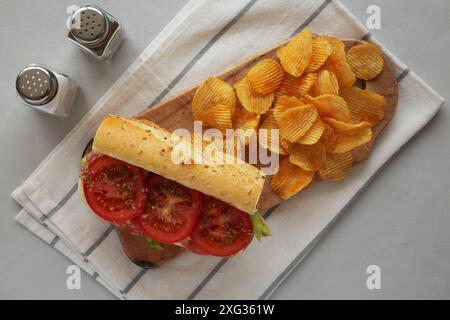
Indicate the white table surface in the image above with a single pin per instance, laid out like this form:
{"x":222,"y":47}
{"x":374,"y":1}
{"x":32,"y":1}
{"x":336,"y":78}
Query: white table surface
{"x":401,"y":222}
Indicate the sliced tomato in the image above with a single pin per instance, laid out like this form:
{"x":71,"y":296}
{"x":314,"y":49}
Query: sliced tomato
{"x":114,"y":190}
{"x":189,"y":245}
{"x":131,"y":226}
{"x":171,"y":212}
{"x":222,"y":230}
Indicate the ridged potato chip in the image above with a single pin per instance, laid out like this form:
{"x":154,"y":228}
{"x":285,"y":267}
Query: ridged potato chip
{"x":327,"y":83}
{"x":290,"y":179}
{"x":321,"y":50}
{"x":266,"y":76}
{"x":295,"y":122}
{"x":349,"y":135}
{"x":365,"y":105}
{"x":307,"y":81}
{"x":328,"y":137}
{"x":309,"y":158}
{"x":329,"y":105}
{"x":244,"y":120}
{"x":296,"y":55}
{"x":218,"y":116}
{"x":285,"y":103}
{"x":251,"y":100}
{"x":265,"y":137}
{"x":287,"y":145}
{"x":269,"y":120}
{"x":345,"y":143}
{"x":314,"y":133}
{"x":337,"y":166}
{"x":289,"y":87}
{"x":335,"y":42}
{"x":366,"y":61}
{"x":296,"y":87}
{"x":212,"y":92}
{"x":337,"y":63}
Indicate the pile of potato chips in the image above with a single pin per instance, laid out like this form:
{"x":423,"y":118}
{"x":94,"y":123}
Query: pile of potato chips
{"x":308,"y":93}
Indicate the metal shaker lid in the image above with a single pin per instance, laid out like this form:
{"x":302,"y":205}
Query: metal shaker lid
{"x":89,"y":25}
{"x":36,"y":85}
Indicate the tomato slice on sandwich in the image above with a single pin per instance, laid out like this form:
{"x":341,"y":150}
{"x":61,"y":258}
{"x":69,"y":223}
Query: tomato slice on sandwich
{"x":222,"y":230}
{"x":171,"y":212}
{"x":114,"y":190}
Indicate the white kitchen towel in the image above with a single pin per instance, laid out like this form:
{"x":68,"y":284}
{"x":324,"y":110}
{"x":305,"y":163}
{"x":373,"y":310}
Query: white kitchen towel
{"x":204,"y":38}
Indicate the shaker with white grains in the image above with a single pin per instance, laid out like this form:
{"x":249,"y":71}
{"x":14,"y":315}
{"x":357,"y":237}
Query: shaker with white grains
{"x":96,"y":32}
{"x":45,"y":90}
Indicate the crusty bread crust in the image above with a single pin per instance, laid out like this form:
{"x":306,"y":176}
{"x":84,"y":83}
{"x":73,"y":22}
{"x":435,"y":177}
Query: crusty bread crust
{"x":150,"y":147}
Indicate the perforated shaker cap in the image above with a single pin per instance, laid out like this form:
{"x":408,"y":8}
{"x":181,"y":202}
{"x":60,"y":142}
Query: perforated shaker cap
{"x":89,"y":25}
{"x":36,"y":85}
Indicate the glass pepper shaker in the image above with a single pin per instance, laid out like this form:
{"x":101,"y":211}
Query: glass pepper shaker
{"x":45,"y":90}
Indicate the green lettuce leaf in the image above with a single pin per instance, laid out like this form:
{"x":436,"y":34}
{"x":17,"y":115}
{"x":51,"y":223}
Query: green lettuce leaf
{"x":154,"y":244}
{"x":83,"y":163}
{"x":260,"y":227}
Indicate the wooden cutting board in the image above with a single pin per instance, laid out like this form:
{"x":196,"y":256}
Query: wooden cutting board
{"x":176,"y":112}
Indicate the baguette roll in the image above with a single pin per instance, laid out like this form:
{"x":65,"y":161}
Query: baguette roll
{"x":146,"y":145}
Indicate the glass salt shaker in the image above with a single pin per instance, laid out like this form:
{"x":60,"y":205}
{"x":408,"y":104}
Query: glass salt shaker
{"x":96,"y":32}
{"x":45,"y":90}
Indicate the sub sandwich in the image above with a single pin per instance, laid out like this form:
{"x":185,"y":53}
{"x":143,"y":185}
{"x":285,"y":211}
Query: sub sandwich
{"x":130,"y":178}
